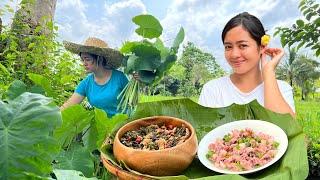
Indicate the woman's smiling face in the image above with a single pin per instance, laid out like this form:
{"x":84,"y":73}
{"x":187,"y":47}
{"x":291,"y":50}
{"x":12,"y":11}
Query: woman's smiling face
{"x":241,"y":50}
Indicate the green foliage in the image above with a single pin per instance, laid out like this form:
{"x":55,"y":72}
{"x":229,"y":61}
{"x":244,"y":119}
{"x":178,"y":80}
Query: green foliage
{"x":199,"y":67}
{"x":43,"y":82}
{"x":76,"y":157}
{"x":26,"y":50}
{"x":151,"y":60}
{"x":187,"y":77}
{"x":150,"y":27}
{"x":75,"y":120}
{"x":308,"y":115}
{"x":81,"y":134}
{"x":304,"y":33}
{"x":25,"y":141}
{"x":301,"y":71}
{"x":70,"y":174}
{"x":16,"y":88}
{"x":105,"y":125}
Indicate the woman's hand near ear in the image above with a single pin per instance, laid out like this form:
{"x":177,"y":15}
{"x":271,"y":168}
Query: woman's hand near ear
{"x":273,"y":99}
{"x":270,"y":66}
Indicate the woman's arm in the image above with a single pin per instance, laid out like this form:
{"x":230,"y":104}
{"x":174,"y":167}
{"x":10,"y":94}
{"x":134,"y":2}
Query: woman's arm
{"x":74,"y":99}
{"x":273,"y":99}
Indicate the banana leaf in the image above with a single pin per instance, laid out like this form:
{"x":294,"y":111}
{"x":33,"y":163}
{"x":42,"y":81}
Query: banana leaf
{"x":293,"y":165}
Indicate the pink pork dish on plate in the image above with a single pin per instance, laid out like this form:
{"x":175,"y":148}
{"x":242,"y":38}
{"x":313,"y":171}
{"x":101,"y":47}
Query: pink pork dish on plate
{"x":242,"y":150}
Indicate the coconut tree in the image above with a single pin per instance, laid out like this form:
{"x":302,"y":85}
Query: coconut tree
{"x":287,"y":70}
{"x":301,"y":71}
{"x":307,"y":72}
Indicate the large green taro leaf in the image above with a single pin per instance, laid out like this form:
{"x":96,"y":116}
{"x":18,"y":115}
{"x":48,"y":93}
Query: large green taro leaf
{"x":75,"y":119}
{"x":293,"y":165}
{"x":149,"y":26}
{"x":26,"y":144}
{"x":77,"y":158}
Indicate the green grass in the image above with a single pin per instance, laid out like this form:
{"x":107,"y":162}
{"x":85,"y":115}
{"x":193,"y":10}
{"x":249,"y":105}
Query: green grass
{"x":308,"y":113}
{"x":145,"y":98}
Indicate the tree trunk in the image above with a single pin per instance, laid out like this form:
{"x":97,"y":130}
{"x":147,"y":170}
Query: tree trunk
{"x":31,"y":15}
{"x":29,"y":23}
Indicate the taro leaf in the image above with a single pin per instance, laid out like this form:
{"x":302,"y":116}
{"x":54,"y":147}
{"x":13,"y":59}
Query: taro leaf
{"x":25,"y":142}
{"x":147,"y":77}
{"x":151,"y":64}
{"x":146,"y":51}
{"x":37,"y":89}
{"x":165,"y":67}
{"x":164,"y":52}
{"x":62,"y":174}
{"x":150,"y":27}
{"x":42,"y":82}
{"x":100,"y":128}
{"x":15,"y":89}
{"x":76,"y":157}
{"x":74,"y":121}
{"x":293,"y":165}
{"x":34,"y":176}
{"x":127,"y":47}
{"x":149,"y":57}
{"x":130,"y":64}
{"x":178,"y":40}
{"x":91,"y":136}
{"x":105,"y":125}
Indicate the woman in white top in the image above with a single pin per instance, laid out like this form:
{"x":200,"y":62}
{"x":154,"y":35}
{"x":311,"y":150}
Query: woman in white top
{"x":253,"y":76}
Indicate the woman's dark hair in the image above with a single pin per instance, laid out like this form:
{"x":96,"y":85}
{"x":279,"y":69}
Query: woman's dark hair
{"x":249,"y":22}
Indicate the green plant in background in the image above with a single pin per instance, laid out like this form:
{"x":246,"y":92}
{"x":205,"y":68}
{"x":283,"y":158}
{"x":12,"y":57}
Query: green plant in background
{"x":151,"y":60}
{"x":301,"y":71}
{"x":199,"y":68}
{"x":37,"y":59}
{"x":308,"y":115}
{"x":304,"y":32}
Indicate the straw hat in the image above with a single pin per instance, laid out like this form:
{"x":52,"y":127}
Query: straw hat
{"x":98,"y":47}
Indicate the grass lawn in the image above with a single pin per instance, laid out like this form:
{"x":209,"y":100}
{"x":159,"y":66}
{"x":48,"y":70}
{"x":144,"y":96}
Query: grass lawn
{"x":308,"y":115}
{"x":144,"y":98}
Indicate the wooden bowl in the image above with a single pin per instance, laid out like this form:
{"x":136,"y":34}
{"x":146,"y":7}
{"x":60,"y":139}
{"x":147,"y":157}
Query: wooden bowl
{"x":165,"y":162}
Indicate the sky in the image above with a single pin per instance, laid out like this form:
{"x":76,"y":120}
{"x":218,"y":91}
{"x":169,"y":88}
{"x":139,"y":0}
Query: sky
{"x":202,"y":20}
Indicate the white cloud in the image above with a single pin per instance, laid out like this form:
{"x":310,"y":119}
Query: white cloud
{"x":117,"y":20}
{"x":259,"y":7}
{"x":110,"y":22}
{"x":202,"y":21}
{"x":72,"y":21}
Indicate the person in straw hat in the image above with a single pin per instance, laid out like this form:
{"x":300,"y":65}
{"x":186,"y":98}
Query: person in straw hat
{"x":104,"y":83}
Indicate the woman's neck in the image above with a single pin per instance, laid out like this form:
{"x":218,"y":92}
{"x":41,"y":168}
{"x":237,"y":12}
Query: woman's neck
{"x":102,"y":76}
{"x":248,"y":81}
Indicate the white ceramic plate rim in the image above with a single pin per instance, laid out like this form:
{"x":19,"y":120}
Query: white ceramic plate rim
{"x":257,"y":126}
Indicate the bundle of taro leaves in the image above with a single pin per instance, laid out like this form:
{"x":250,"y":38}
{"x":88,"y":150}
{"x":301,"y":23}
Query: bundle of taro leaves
{"x":148,"y":57}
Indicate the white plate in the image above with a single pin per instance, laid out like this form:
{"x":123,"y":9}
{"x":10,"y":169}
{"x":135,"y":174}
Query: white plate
{"x":257,"y":126}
